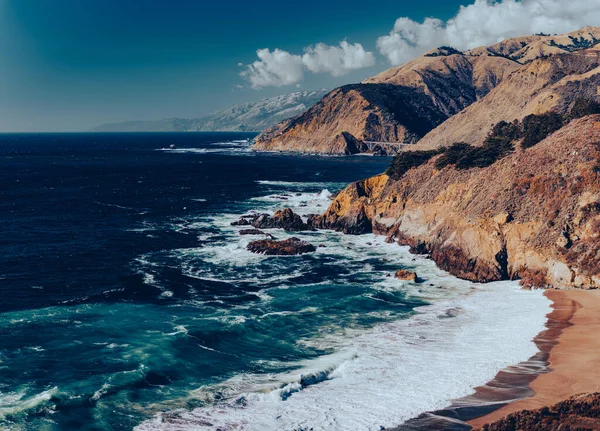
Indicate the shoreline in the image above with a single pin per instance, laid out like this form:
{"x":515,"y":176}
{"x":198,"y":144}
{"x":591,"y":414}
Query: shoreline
{"x":572,"y":349}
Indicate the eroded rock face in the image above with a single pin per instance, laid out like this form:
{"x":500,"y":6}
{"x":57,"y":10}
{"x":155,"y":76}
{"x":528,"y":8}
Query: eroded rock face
{"x":509,"y":220}
{"x":581,"y":412}
{"x":288,"y":247}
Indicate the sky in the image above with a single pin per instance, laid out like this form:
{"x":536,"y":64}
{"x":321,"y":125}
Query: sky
{"x":70,"y":65}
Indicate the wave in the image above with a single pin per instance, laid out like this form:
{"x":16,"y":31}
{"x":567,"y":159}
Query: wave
{"x":384,"y":376}
{"x":223,"y":150}
{"x":13,"y":404}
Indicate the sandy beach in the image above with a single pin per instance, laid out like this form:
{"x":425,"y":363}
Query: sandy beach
{"x":573,"y":358}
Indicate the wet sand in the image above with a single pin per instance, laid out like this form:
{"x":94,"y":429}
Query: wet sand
{"x":572,"y":347}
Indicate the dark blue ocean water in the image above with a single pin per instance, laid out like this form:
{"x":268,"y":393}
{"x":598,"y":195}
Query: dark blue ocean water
{"x":122,"y":289}
{"x":127,"y":299}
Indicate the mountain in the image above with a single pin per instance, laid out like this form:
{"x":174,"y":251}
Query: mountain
{"x":444,"y":90}
{"x":254,"y":116}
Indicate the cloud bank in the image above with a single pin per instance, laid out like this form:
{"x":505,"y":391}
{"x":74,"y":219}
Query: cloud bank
{"x":484,"y":22}
{"x":487,"y":22}
{"x":279,"y":68}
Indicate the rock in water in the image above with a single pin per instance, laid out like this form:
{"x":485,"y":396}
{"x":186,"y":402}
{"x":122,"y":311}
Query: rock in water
{"x":254,"y":232}
{"x":284,"y":219}
{"x":288,"y":247}
{"x":403,"y":274}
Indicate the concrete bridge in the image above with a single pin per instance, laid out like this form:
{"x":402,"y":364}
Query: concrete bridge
{"x":395,"y":147}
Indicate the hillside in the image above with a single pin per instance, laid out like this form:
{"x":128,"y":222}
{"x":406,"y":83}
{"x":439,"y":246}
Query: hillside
{"x":255,"y":116}
{"x":453,"y":96}
{"x":533,"y":214}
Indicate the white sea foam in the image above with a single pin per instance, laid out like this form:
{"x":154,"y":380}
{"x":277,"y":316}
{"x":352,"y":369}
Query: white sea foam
{"x":230,"y":149}
{"x":376,"y":377}
{"x":383,"y":376}
{"x":15,"y":403}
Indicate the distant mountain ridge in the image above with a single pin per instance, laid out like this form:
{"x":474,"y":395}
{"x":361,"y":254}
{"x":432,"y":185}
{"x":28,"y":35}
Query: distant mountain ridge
{"x":248,"y":117}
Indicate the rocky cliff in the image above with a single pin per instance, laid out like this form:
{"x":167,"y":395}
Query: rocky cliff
{"x":447,"y":96}
{"x":349,"y":115}
{"x":533,"y":214}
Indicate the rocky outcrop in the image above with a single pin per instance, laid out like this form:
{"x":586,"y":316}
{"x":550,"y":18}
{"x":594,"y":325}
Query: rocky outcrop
{"x":473,"y":89}
{"x":254,"y":232}
{"x":284,"y":219}
{"x":403,"y":274}
{"x":534,"y":214}
{"x":288,"y":247}
{"x":580,"y":412}
{"x":353,"y":114}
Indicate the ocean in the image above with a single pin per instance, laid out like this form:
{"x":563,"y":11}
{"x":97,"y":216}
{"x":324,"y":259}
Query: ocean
{"x":128,"y":301}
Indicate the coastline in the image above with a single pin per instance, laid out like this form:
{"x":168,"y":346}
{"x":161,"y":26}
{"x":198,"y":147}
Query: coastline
{"x":573,"y":351}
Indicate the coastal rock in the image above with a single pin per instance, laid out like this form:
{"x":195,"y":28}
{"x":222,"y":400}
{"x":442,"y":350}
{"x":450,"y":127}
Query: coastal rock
{"x":255,"y":232}
{"x":284,"y":219}
{"x":495,"y":223}
{"x":580,"y":412}
{"x":403,"y":274}
{"x":288,"y":247}
{"x":241,"y":222}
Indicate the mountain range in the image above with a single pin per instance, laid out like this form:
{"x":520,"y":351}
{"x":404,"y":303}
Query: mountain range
{"x":446,"y":96}
{"x":248,"y":117}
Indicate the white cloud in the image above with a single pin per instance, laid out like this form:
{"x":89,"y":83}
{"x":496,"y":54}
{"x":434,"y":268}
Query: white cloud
{"x":337,"y":61}
{"x":487,"y":22}
{"x":274,"y":69}
{"x":279,"y":68}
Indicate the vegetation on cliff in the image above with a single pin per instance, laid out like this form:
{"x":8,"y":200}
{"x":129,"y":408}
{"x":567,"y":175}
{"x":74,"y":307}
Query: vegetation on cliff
{"x":498,"y":144}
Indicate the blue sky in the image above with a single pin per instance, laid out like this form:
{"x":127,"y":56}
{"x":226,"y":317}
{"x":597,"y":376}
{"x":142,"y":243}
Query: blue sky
{"x":73,"y":64}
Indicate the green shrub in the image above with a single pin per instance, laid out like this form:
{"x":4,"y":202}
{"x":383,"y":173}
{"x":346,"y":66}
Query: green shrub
{"x":406,"y":160}
{"x":504,"y":129}
{"x":538,"y":127}
{"x":584,"y":107}
{"x":496,"y":146}
{"x":452,"y":155}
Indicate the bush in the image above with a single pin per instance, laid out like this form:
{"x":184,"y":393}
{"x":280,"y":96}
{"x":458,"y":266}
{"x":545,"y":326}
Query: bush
{"x":495,"y":147}
{"x":482,"y":157}
{"x":584,"y":107}
{"x":538,"y":127}
{"x":452,"y":155}
{"x":504,"y":129}
{"x":406,"y":160}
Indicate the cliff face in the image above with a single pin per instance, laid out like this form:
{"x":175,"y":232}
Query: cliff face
{"x":534,"y":214}
{"x":447,"y":95}
{"x":354,"y":113}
